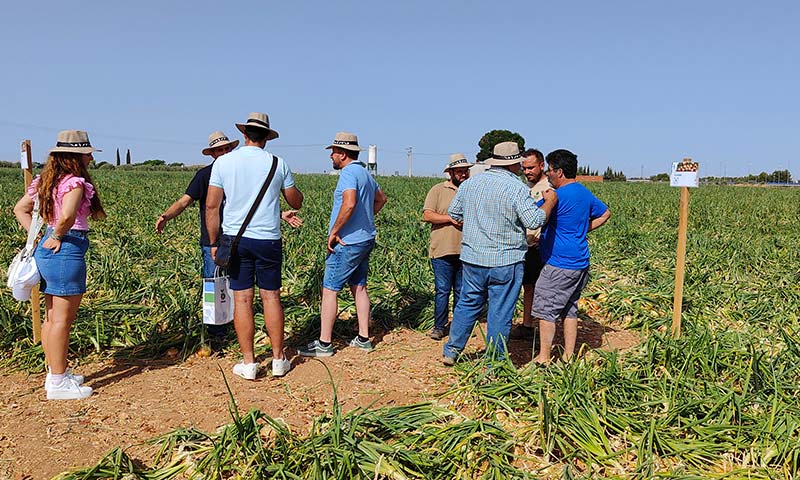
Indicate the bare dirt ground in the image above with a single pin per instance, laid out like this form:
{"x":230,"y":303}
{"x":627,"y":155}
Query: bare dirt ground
{"x":136,"y":401}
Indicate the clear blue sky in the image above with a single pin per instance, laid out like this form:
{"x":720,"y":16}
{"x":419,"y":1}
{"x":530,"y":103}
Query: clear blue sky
{"x":633,"y":85}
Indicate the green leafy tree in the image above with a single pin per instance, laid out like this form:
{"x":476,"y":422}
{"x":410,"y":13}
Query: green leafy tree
{"x":492,"y":138}
{"x":153,"y":163}
{"x":585,"y":170}
{"x":118,"y":157}
{"x":128,"y":157}
{"x":613,"y":176}
{"x":661,"y":177}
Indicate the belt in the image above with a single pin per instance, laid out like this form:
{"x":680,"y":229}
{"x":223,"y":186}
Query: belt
{"x":73,"y":232}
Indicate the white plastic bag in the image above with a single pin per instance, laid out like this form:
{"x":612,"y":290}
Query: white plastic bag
{"x":23,"y":274}
{"x":217,"y":300}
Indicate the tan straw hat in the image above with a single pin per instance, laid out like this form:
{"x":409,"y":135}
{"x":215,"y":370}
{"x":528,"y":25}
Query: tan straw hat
{"x":347,"y":141}
{"x":73,"y":141}
{"x":458,"y":160}
{"x":218,"y":139}
{"x":504,"y":153}
{"x":258,"y":120}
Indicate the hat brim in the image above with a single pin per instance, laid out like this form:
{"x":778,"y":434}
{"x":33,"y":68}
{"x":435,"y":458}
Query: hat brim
{"x":352,"y":148}
{"x":460,"y":165}
{"x":207,"y":150}
{"x":496,"y":162}
{"x":83,"y":150}
{"x":271,"y":134}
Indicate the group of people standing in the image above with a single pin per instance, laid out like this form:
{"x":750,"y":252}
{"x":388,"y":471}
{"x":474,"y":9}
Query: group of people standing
{"x":492,"y":235}
{"x":486,"y":243}
{"x":234,"y":180}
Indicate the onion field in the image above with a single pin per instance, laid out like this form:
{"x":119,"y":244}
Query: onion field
{"x":722,"y":401}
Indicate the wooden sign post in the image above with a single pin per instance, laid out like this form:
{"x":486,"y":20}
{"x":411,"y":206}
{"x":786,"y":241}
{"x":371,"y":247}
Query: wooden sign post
{"x":684,"y":175}
{"x":27,"y":174}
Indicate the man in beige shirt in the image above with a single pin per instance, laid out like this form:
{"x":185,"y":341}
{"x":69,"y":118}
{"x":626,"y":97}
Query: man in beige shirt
{"x":533,"y":169}
{"x":445,"y":246}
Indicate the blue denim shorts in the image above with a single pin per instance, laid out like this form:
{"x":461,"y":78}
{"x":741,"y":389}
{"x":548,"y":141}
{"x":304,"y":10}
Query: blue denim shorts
{"x":347,"y":264}
{"x":257,"y":262}
{"x":63,"y":273}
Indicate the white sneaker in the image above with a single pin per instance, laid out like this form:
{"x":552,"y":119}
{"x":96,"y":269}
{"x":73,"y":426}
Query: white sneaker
{"x":248,"y":371}
{"x":281,"y":367}
{"x":48,"y":378}
{"x":69,"y":389}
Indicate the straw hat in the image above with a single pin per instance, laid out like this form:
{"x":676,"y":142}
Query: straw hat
{"x":458,"y":160}
{"x":504,"y":153}
{"x":258,"y":120}
{"x":73,"y":141}
{"x":218,"y":139}
{"x":347,"y":141}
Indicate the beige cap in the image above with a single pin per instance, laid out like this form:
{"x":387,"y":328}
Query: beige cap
{"x":258,"y":120}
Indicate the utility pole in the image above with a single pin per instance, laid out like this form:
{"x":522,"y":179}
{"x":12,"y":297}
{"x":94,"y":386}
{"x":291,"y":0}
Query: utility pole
{"x":641,"y":172}
{"x":410,"y":158}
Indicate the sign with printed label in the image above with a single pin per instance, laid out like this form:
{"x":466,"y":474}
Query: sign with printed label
{"x":684,"y":174}
{"x":23,"y":156}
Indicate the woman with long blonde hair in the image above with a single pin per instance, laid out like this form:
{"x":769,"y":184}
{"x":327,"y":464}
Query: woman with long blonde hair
{"x":67,"y":199}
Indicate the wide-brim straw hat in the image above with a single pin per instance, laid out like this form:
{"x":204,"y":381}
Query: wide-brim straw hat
{"x":258,"y":120}
{"x":347,"y":141}
{"x":73,"y":141}
{"x":504,"y":153}
{"x":218,"y":139}
{"x":457,"y":160}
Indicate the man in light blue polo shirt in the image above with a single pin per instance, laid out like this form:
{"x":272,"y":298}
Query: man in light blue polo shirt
{"x":239,"y":176}
{"x":495,"y":208}
{"x":351,"y":238}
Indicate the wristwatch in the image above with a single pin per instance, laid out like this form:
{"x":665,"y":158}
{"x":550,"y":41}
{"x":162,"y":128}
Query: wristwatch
{"x":55,"y":236}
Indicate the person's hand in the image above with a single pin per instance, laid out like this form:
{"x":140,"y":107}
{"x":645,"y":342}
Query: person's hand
{"x":333,"y":239}
{"x":214,"y":253}
{"x":52,"y":244}
{"x":290,"y":217}
{"x":160,"y":222}
{"x":550,"y":195}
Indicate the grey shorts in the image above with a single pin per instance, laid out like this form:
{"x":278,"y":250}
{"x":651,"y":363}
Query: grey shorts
{"x":557,"y":293}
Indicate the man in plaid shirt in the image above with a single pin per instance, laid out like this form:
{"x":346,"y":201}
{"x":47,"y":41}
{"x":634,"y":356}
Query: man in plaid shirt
{"x":495,"y":209}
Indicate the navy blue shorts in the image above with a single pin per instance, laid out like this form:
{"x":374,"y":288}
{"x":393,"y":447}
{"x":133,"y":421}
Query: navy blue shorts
{"x":63,"y":273}
{"x":258,"y":262}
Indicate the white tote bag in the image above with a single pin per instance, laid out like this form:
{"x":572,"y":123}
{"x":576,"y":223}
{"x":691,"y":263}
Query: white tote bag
{"x":23,"y":274}
{"x":217,"y":300}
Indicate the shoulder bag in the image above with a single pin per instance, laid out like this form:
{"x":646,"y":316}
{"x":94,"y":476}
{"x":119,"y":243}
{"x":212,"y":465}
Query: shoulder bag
{"x":23,"y":274}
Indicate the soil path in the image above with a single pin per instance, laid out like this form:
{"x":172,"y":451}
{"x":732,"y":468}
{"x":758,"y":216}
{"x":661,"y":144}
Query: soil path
{"x":136,"y":401}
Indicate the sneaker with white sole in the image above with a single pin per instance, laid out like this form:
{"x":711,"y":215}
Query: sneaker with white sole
{"x":69,"y":389}
{"x":281,"y":367}
{"x":48,"y":378}
{"x":248,"y":371}
{"x":316,"y":349}
{"x":356,"y":342}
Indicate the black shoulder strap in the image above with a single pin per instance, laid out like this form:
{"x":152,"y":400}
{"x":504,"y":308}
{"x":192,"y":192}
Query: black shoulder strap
{"x":258,"y":198}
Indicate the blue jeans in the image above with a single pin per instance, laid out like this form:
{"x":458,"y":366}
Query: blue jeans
{"x":501,"y":286}
{"x":208,"y":262}
{"x":446,"y":278}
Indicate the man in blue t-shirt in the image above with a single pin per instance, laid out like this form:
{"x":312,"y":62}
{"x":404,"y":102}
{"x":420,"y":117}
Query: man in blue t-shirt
{"x":351,"y":238}
{"x":564,"y":248}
